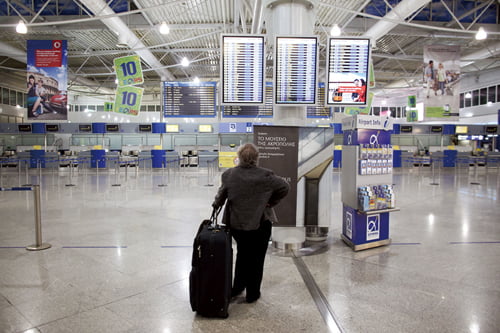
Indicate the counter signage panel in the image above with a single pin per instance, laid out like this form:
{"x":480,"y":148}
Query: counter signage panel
{"x":253,"y":111}
{"x":85,"y":128}
{"x":406,"y":129}
{"x":242,"y":69}
{"x":436,"y":129}
{"x":24,"y":128}
{"x":319,"y":111}
{"x":172,"y":128}
{"x":295,"y":70}
{"x":144,"y":128}
{"x":51,"y":127}
{"x":461,"y":129}
{"x":491,"y":129}
{"x":189,"y":99}
{"x":347,"y":71}
{"x":112,"y":128}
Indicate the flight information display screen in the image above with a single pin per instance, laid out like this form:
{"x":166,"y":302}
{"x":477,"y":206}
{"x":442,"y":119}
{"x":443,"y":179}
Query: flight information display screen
{"x":295,"y":70}
{"x":319,"y":111}
{"x":347,"y":71}
{"x":242,"y":69}
{"x":253,"y":111}
{"x":189,"y":99}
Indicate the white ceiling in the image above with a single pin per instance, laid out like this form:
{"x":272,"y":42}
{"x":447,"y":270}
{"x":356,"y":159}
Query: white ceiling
{"x":196,"y":25}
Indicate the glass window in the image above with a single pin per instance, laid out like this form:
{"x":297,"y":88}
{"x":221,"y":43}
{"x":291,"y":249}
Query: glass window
{"x":144,"y":108}
{"x":158,"y":107}
{"x":91,"y":108}
{"x":100,"y":108}
{"x":492,"y":94}
{"x":468,"y":101}
{"x":151,"y":108}
{"x":483,"y":96}
{"x":5,"y":96}
{"x":498,"y":93}
{"x":462,"y":102}
{"x":12,"y":99}
{"x":1,"y":99}
{"x":475,"y":98}
{"x":376,"y":110}
{"x":20,"y":101}
{"x":393,"y":111}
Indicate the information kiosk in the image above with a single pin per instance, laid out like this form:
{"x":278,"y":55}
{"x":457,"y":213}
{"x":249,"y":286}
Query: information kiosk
{"x":367,"y":193}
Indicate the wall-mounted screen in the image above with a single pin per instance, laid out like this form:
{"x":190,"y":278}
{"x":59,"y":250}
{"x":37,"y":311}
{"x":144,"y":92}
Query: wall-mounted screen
{"x":85,"y":128}
{"x":51,"y":127}
{"x":406,"y":129}
{"x":295,"y":68}
{"x":242,"y":69}
{"x":436,"y":129}
{"x":144,"y":128}
{"x":347,"y":71}
{"x":461,"y":129}
{"x":24,"y":128}
{"x":172,"y":128}
{"x":112,"y":128}
{"x":205,"y":128}
{"x":189,"y":99}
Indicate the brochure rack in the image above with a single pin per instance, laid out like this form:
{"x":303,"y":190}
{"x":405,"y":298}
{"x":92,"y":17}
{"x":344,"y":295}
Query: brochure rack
{"x":367,"y":193}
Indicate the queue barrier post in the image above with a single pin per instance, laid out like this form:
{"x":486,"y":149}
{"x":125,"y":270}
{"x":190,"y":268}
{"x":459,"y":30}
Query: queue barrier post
{"x":39,"y":245}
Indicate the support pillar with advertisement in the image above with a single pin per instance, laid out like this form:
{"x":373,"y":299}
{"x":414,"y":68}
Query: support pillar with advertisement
{"x":367,"y":193}
{"x":293,"y":235}
{"x":301,"y":155}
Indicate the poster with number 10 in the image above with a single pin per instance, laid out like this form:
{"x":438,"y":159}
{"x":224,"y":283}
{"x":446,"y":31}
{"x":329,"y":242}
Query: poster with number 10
{"x":128,"y":70}
{"x":128,"y":100}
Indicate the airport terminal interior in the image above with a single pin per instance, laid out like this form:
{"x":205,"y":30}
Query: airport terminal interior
{"x":118,"y":118}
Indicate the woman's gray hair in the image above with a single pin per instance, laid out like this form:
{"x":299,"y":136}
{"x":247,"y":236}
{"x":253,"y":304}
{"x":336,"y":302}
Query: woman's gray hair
{"x":248,"y":154}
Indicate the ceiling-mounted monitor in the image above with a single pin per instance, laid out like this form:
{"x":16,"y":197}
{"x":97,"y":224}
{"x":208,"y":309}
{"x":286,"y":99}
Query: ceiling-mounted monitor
{"x":24,"y":128}
{"x":347,"y":68}
{"x":205,"y":128}
{"x":461,"y":129}
{"x":85,"y":128}
{"x":112,"y":128}
{"x":295,"y":70}
{"x":242,"y":69}
{"x":51,"y":127}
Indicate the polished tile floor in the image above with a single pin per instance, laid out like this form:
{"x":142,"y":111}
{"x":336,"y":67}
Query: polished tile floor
{"x":120,"y":259}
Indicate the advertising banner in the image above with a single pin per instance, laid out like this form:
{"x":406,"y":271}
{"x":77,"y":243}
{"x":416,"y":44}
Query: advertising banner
{"x":47,"y":81}
{"x":128,"y":70}
{"x":278,"y":151}
{"x":128,"y":100}
{"x":108,"y":106}
{"x":441,"y":76}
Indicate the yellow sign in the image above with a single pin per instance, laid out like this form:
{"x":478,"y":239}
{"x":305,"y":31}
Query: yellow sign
{"x":228,"y":159}
{"x":338,"y":147}
{"x":37,"y":147}
{"x":450,"y":148}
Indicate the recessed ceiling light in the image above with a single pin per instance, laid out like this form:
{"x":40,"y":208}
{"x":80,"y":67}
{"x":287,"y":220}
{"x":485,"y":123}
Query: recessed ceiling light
{"x":481,"y":34}
{"x":21,"y":28}
{"x":164,"y":29}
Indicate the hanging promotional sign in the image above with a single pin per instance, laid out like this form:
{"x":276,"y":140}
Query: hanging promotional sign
{"x":128,"y":70}
{"x":108,"y":107}
{"x":128,"y":100}
{"x":441,"y":82}
{"x":47,"y":62}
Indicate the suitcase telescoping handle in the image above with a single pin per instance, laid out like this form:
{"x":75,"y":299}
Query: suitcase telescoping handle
{"x":215,"y":214}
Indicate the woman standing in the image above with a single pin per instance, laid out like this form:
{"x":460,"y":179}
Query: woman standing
{"x":251,"y":193}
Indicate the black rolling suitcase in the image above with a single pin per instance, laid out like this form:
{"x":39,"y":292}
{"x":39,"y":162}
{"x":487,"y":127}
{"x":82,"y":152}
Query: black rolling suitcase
{"x":211,"y":273}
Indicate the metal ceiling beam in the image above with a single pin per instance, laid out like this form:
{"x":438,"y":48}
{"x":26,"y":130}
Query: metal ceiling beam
{"x":404,"y":9}
{"x":116,"y":25}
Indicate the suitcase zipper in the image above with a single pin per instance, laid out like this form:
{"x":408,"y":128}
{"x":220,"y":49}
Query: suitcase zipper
{"x":199,"y":251}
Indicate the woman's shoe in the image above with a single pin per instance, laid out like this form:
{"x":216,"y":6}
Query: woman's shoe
{"x":252,"y":298}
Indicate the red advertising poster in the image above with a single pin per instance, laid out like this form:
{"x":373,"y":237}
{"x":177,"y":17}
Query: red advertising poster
{"x":46,"y":80}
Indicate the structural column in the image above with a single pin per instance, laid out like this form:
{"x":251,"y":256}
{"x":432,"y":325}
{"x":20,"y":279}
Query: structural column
{"x":290,"y":18}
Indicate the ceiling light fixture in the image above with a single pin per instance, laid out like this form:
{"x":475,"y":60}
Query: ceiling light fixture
{"x":196,"y":80}
{"x":164,"y":29}
{"x":185,"y":62}
{"x":21,"y":28}
{"x":122,"y":41}
{"x":481,"y":34}
{"x":336,"y":31}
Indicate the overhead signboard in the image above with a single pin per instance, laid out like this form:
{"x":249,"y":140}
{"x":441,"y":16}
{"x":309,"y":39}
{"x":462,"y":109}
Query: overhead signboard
{"x":144,"y":127}
{"x":52,"y":127}
{"x":295,"y":70}
{"x":347,"y":71}
{"x":242,"y":69}
{"x":85,"y":128}
{"x":128,"y":70}
{"x":189,"y":99}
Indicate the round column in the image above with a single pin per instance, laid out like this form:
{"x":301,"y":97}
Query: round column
{"x":290,"y":18}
